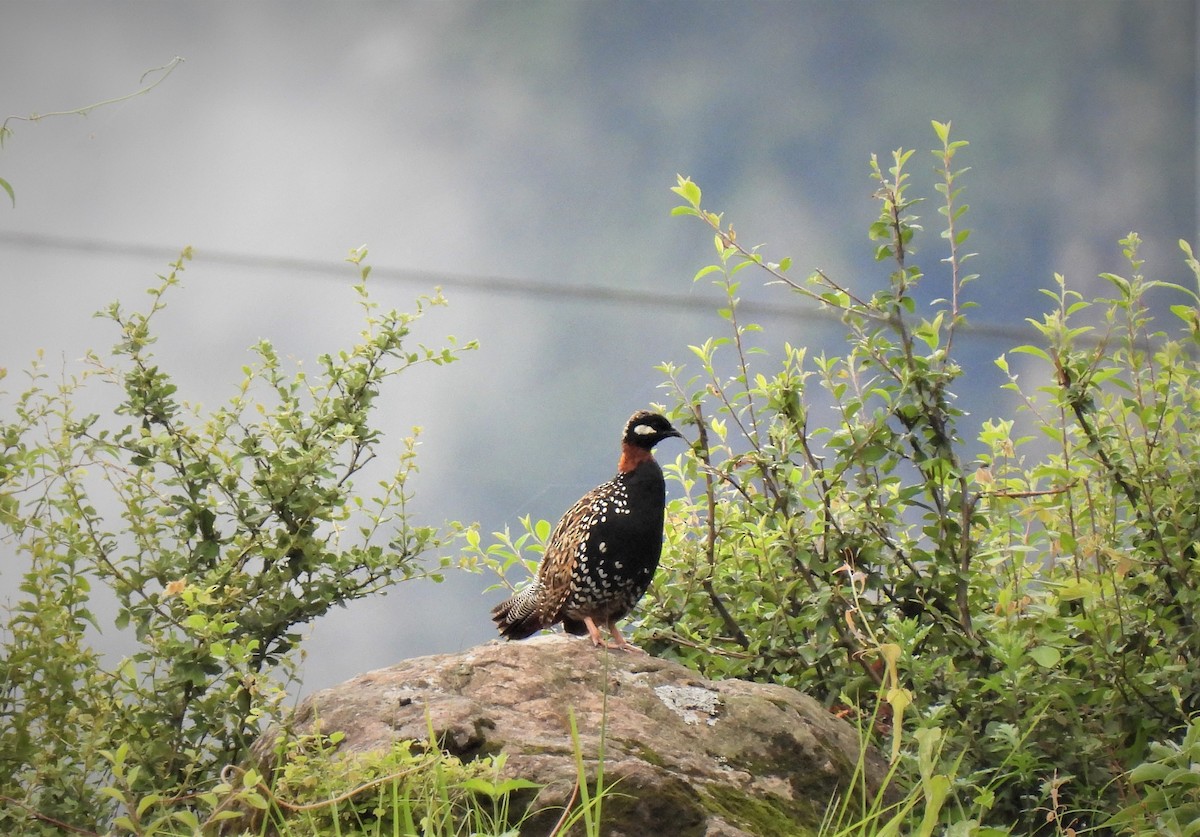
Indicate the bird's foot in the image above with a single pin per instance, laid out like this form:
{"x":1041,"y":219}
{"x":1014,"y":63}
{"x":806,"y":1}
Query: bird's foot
{"x":618,"y":643}
{"x":627,"y":647}
{"x":619,"y":646}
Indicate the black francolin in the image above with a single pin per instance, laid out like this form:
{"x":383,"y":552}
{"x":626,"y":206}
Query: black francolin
{"x":603,"y":553}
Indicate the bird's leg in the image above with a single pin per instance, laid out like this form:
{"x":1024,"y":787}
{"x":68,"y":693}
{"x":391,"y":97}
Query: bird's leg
{"x":621,"y":642}
{"x":594,"y":632}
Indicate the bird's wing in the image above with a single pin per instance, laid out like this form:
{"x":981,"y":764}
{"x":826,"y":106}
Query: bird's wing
{"x":563,"y":552}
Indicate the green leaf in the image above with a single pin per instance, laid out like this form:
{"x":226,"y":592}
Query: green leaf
{"x":254,"y":800}
{"x":1149,"y":772}
{"x":687,"y":190}
{"x":1188,"y":313}
{"x":1033,"y":350}
{"x":146,"y":802}
{"x":1045,"y":656}
{"x":1183,"y":776}
{"x":188,"y":819}
{"x":4,"y":184}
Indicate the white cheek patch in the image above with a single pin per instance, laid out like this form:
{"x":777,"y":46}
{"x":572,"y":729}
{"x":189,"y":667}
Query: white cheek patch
{"x":644,"y":430}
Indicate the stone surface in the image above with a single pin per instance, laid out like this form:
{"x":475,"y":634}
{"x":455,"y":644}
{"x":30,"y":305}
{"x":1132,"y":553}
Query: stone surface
{"x":694,"y":758}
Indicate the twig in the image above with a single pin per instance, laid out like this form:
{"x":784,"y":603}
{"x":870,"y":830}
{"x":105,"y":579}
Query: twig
{"x":708,"y":649}
{"x":166,"y":70}
{"x":1018,"y":495}
{"x":710,"y":544}
{"x":47,"y":819}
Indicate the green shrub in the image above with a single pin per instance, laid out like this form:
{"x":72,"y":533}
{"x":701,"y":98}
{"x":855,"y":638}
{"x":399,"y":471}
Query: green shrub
{"x":1041,"y":610}
{"x":220,"y":535}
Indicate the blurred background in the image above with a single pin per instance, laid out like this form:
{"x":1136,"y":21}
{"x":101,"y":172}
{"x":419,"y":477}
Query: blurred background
{"x":520,"y":156}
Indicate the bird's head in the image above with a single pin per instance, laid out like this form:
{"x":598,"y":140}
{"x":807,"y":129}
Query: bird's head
{"x":646,"y":429}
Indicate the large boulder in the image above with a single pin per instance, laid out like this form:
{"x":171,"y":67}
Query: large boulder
{"x":694,"y":757}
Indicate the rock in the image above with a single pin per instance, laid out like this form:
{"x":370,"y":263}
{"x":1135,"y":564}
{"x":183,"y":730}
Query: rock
{"x":694,"y":757}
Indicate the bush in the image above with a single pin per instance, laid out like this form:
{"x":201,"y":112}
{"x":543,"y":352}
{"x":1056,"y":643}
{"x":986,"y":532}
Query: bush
{"x":219,"y":535}
{"x":1040,"y":610}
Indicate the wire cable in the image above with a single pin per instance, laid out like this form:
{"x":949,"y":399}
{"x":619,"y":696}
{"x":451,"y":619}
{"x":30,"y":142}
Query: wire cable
{"x":495,"y":285}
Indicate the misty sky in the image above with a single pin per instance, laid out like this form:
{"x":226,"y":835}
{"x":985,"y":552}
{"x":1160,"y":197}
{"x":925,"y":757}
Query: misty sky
{"x":520,"y":154}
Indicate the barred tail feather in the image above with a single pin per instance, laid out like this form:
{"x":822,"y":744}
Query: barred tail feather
{"x":518,"y":616}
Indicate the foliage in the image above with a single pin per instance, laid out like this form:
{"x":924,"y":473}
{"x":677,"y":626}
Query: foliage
{"x":862,"y":810}
{"x":308,"y":785}
{"x":1039,"y":609}
{"x":316,"y":789}
{"x":219,"y":536}
{"x":1022,"y":593}
{"x":1169,"y":784}
{"x":413,"y":789}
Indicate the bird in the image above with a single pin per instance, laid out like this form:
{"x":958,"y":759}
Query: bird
{"x":604,"y":551}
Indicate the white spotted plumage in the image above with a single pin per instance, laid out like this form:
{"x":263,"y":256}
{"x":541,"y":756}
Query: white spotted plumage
{"x":603,"y":553}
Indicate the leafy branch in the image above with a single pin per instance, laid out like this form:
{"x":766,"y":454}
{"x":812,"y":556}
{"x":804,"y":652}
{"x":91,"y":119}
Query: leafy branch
{"x":218,"y":533}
